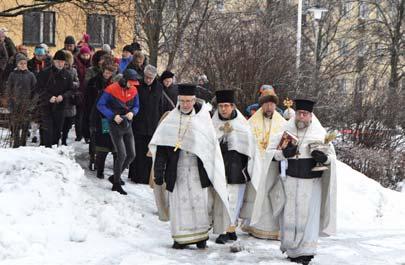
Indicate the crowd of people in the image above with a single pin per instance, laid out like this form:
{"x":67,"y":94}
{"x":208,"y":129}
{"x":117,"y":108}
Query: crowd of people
{"x":210,"y":166}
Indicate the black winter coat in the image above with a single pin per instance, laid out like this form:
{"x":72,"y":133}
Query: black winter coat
{"x":53,"y":82}
{"x":166,"y":168}
{"x":235,"y":162}
{"x":172,"y":92}
{"x":150,"y":109}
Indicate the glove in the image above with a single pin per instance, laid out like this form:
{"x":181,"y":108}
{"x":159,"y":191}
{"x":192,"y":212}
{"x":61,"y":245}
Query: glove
{"x":319,"y":156}
{"x":290,"y":150}
{"x":118,"y":119}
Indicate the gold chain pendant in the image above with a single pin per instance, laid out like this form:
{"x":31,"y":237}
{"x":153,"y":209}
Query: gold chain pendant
{"x":177,"y":146}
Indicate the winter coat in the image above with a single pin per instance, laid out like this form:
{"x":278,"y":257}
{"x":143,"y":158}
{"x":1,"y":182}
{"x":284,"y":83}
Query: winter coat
{"x":4,"y":56}
{"x":150,"y":108}
{"x":165,"y":166}
{"x":92,"y":72}
{"x":95,"y":89}
{"x":81,"y":67}
{"x":123,"y":64}
{"x":172,"y":92}
{"x":36,"y":66}
{"x":20,"y":88}
{"x":139,"y":70}
{"x":116,"y":100}
{"x":53,"y":82}
{"x":70,"y":107}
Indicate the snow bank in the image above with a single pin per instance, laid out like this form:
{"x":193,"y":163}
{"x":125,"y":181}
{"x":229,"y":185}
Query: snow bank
{"x":37,"y":191}
{"x":364,"y":204}
{"x":52,"y":213}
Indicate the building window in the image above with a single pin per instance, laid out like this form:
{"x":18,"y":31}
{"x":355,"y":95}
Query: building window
{"x":342,"y":85}
{"x":363,"y":10}
{"x":39,"y":27}
{"x":345,"y":9}
{"x":362,"y":48}
{"x":220,"y":5}
{"x":361,"y":83}
{"x":343,"y":48}
{"x":101,"y":29}
{"x":379,"y":51}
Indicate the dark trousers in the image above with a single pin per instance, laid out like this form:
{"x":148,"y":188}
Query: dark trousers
{"x":139,"y":170}
{"x":123,"y":141}
{"x":19,"y":132}
{"x":52,"y":123}
{"x":67,"y":125}
{"x":100,"y":161}
{"x":92,"y":147}
{"x":78,"y":120}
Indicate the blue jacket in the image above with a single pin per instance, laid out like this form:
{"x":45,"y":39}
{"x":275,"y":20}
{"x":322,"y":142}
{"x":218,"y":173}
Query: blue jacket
{"x":123,"y":64}
{"x":118,"y":101}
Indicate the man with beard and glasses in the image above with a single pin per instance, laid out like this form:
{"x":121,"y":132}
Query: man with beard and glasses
{"x":265,"y":124}
{"x":306,"y":198}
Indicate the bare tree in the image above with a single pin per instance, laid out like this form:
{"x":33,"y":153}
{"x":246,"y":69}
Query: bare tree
{"x":161,"y":24}
{"x":18,"y":8}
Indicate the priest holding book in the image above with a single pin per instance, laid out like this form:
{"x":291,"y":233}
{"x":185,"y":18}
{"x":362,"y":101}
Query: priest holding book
{"x":304,"y":197}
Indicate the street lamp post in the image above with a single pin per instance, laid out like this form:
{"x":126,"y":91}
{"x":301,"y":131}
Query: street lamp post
{"x":317,"y":15}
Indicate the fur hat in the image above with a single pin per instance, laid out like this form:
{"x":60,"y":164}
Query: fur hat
{"x":268,"y":96}
{"x":70,"y":40}
{"x":166,"y":74}
{"x":69,"y":57}
{"x":60,"y":55}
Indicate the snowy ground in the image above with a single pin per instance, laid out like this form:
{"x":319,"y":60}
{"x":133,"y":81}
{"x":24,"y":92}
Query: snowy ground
{"x":54,"y":212}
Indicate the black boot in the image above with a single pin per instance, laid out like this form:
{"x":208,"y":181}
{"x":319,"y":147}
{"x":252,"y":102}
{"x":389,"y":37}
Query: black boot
{"x":305,"y":260}
{"x":118,"y":188}
{"x":178,"y":246}
{"x":232,"y":236}
{"x":100,"y":174}
{"x":202,"y":244}
{"x":222,"y":239}
{"x":34,"y":140}
{"x":111,"y":179}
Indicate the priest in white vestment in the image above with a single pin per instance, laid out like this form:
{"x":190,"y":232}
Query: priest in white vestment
{"x":240,"y":154}
{"x":266,"y":125}
{"x":187,"y":159}
{"x":305,"y":198}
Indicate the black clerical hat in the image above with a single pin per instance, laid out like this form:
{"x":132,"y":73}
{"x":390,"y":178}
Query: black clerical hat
{"x":304,"y":104}
{"x":225,"y":96}
{"x":186,"y":89}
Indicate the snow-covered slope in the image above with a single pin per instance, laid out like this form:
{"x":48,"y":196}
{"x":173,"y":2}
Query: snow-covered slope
{"x":53,"y":212}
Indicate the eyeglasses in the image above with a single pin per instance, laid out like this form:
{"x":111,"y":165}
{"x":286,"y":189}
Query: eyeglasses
{"x":224,"y":105}
{"x":303,"y":113}
{"x":188,"y":101}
